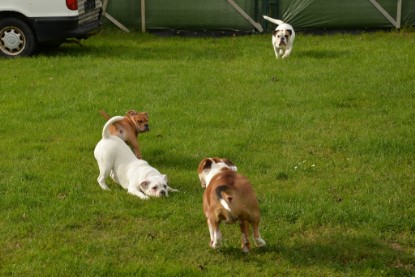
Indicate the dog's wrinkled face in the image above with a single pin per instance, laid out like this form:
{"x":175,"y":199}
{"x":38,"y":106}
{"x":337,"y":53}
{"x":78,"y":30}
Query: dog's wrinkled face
{"x":155,"y":186}
{"x":209,"y":167}
{"x":282,"y":37}
{"x":140,"y":120}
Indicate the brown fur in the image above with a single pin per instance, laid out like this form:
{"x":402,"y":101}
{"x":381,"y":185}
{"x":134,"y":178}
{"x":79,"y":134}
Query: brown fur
{"x":236,"y":190}
{"x":129,"y":128}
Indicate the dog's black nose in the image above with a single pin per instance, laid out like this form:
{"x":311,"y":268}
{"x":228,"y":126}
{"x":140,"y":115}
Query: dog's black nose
{"x":163,"y":192}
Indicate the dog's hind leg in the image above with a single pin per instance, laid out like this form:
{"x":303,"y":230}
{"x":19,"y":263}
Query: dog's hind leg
{"x":215,"y":234}
{"x":132,"y":140}
{"x":211,"y":232}
{"x":259,"y":242}
{"x":101,"y":181}
{"x":114,"y":176}
{"x":246,"y":246}
{"x":104,"y":171}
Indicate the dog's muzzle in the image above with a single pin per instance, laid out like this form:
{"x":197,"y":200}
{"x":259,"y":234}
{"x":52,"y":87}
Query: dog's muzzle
{"x":146,"y":128}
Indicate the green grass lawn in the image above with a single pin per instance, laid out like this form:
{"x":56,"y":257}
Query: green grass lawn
{"x":326,"y":137}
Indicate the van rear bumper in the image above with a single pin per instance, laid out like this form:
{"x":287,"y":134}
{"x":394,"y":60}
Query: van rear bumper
{"x":59,"y":28}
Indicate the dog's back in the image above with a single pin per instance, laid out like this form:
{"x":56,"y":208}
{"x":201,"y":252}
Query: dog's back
{"x":232,"y":194}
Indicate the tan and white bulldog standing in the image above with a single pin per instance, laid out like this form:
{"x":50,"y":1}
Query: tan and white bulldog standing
{"x":228,"y":197}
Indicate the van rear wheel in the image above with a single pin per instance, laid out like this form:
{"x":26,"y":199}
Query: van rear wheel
{"x":16,"y":38}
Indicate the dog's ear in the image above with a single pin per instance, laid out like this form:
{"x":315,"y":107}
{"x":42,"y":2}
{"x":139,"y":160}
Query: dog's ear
{"x":203,"y":169}
{"x":131,"y":113}
{"x":207,"y":166}
{"x":290,"y":32}
{"x":274,"y":32}
{"x":143,"y":185}
{"x":231,"y":165}
{"x":165,"y":178}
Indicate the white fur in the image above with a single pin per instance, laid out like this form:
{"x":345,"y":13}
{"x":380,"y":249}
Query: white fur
{"x":137,"y":176}
{"x":225,"y":205}
{"x":281,"y":44}
{"x":259,"y":242}
{"x":215,"y":237}
{"x":215,"y":169}
{"x":208,"y":174}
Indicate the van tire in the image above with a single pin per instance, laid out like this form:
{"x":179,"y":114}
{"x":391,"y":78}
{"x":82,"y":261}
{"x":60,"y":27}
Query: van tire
{"x":16,"y":38}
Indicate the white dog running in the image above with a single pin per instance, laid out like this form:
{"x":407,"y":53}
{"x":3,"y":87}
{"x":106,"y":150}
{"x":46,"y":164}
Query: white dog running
{"x":137,"y":176}
{"x":282,"y":38}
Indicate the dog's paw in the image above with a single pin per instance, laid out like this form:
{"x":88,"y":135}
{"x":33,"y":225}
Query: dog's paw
{"x":138,"y":194}
{"x":104,"y":187}
{"x":260,"y":242}
{"x":172,"y":190}
{"x":216,"y":244}
{"x":245,"y":249}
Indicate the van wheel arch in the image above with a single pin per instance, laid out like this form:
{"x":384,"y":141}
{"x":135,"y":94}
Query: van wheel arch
{"x":16,"y":37}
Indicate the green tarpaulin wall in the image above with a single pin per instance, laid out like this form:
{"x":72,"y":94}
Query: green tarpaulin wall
{"x":222,"y":15}
{"x":185,"y":14}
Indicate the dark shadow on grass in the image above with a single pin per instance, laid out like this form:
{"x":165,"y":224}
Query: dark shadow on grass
{"x":322,"y":54}
{"x":336,"y":251}
{"x":349,"y":252}
{"x":162,"y":158}
{"x":170,"y":159}
{"x":169,"y":51}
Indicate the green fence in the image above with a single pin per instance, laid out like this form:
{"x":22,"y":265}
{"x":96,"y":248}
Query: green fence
{"x":246,"y":15}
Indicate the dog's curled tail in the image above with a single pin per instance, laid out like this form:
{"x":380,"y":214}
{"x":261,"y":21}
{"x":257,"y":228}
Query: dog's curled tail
{"x":224,"y":195}
{"x":275,"y":21}
{"x":105,"y":131}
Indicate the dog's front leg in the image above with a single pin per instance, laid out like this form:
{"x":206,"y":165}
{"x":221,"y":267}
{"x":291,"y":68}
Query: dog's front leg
{"x":134,"y":191}
{"x":276,"y":50}
{"x":172,"y":189}
{"x":286,"y":53}
{"x":134,"y":145}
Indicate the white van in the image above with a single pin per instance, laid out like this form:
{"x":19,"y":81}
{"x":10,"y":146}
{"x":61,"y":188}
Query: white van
{"x":24,"y":24}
